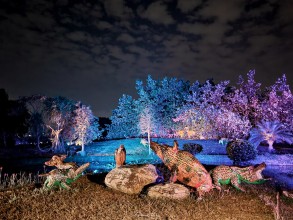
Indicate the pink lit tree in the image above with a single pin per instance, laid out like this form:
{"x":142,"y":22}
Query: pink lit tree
{"x":230,"y":125}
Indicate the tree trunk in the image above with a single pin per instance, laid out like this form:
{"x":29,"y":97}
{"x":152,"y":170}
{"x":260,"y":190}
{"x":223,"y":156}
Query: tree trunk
{"x":82,"y":152}
{"x":149,"y":140}
{"x":38,"y":141}
{"x":271,"y":148}
{"x":4,"y":139}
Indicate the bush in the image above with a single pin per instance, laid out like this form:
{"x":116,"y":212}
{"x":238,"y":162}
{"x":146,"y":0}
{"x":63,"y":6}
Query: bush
{"x":240,"y":150}
{"x":192,"y":148}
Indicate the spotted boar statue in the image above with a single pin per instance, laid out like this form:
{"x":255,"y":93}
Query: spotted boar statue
{"x":184,"y":167}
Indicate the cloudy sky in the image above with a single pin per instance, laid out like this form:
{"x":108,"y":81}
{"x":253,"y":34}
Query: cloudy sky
{"x":94,"y":51}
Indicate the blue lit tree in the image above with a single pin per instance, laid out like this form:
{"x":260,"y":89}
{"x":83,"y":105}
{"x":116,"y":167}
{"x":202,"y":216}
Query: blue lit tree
{"x":164,"y":97}
{"x":124,"y":119}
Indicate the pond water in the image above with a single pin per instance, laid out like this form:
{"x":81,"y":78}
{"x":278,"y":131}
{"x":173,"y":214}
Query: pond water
{"x":101,"y":157}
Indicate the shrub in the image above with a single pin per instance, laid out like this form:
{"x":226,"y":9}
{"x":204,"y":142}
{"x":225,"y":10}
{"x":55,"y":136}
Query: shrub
{"x":192,"y":148}
{"x":240,"y":150}
{"x":271,"y":132}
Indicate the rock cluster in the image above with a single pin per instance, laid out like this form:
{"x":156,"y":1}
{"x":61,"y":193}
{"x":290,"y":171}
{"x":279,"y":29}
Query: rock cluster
{"x":131,"y":179}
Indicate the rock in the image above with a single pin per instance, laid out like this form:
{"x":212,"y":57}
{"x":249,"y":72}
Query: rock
{"x":169,"y":190}
{"x":131,"y":179}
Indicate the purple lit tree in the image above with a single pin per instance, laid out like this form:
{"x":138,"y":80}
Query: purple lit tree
{"x":246,"y":101}
{"x":278,"y":104}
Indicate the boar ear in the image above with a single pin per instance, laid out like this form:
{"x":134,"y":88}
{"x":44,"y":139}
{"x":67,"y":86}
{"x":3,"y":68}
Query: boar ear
{"x":261,"y":166}
{"x":62,"y":157}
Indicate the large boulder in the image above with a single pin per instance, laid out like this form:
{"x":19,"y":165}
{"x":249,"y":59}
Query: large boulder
{"x":131,"y":179}
{"x":169,"y":190}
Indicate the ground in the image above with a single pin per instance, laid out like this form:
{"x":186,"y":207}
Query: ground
{"x":90,"y":199}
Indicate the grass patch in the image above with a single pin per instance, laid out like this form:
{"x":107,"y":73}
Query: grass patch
{"x":90,"y":199}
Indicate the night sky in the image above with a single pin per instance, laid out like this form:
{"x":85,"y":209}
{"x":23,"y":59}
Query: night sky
{"x":94,"y":51}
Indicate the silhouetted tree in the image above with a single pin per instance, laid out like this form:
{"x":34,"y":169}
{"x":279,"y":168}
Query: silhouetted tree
{"x":36,"y":109}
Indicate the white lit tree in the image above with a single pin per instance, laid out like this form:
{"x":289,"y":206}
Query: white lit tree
{"x":146,"y":124}
{"x":86,"y":126}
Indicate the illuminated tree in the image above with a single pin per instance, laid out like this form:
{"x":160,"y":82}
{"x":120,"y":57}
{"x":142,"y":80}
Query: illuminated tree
{"x":85,"y":126}
{"x":227,"y":124}
{"x":278,"y":104}
{"x":59,"y":119}
{"x":192,"y":123}
{"x":146,"y":124}
{"x":247,"y":101}
{"x":124,"y":119}
{"x":164,"y":97}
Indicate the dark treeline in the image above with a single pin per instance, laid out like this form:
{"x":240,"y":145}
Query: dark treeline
{"x":13,"y":120}
{"x":49,"y":123}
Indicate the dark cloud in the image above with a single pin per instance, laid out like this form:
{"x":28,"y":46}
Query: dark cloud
{"x":94,"y":51}
{"x":157,"y":13}
{"x":188,"y":6}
